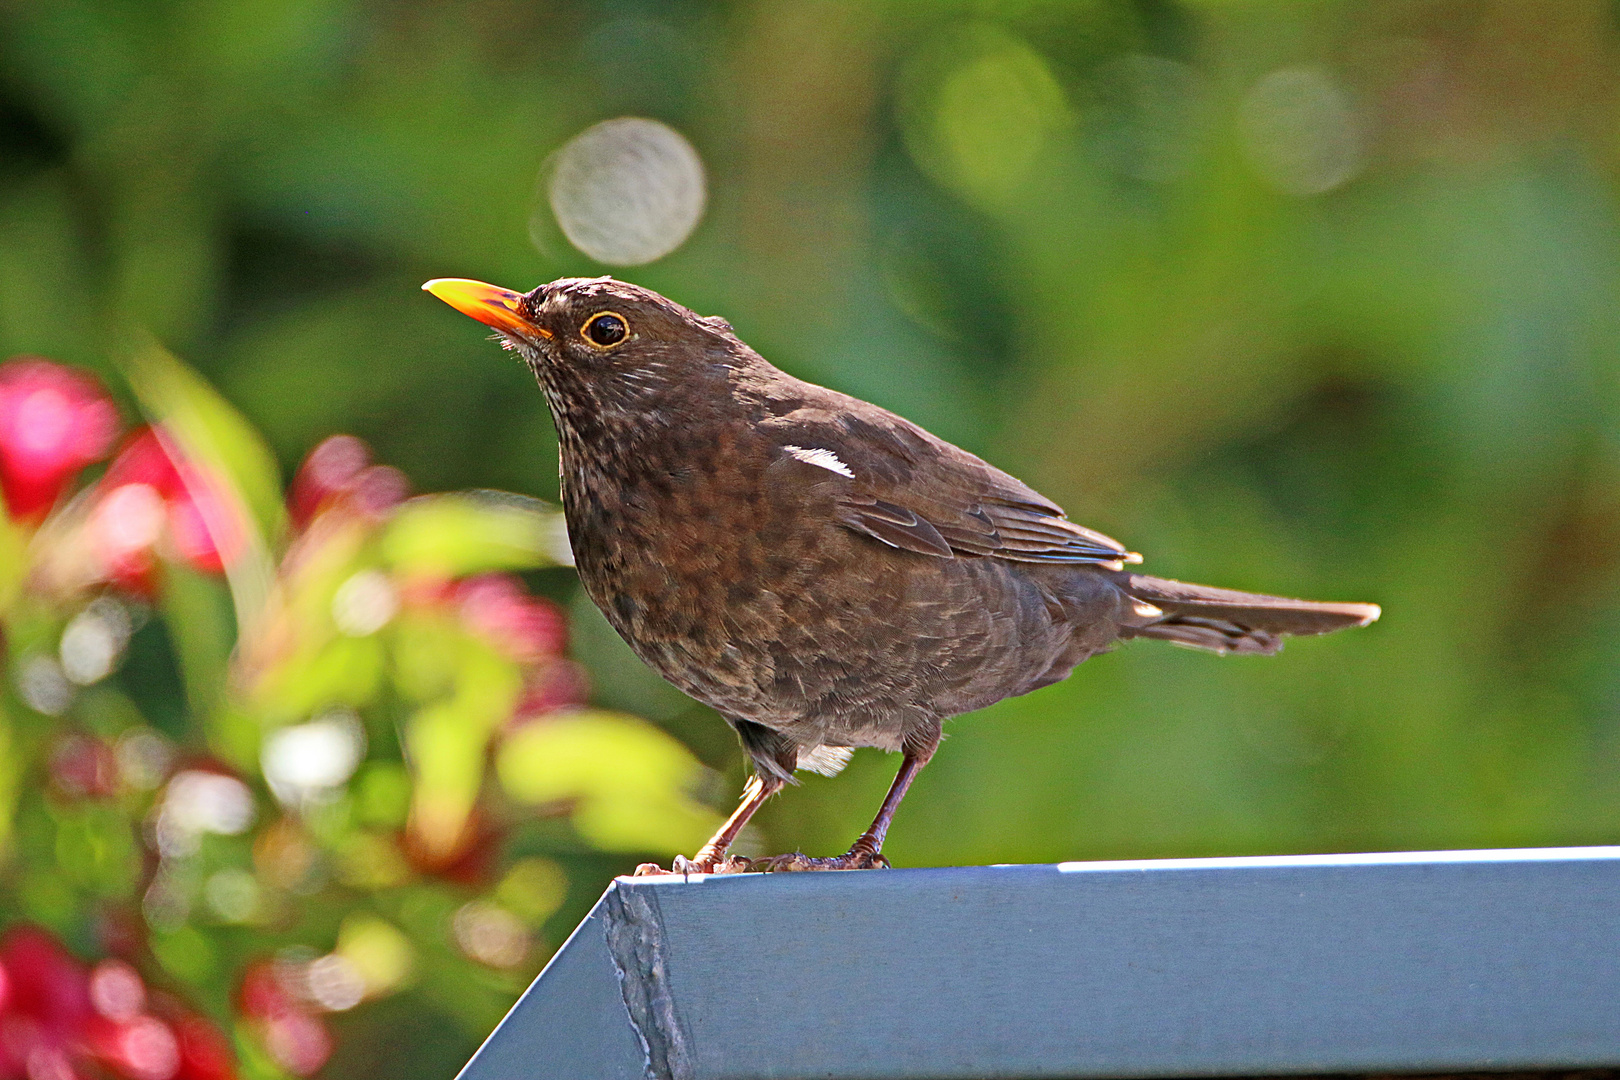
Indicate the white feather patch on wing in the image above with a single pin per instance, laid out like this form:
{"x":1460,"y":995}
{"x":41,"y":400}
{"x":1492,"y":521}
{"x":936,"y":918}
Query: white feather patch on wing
{"x":826,"y":760}
{"x":825,"y":459}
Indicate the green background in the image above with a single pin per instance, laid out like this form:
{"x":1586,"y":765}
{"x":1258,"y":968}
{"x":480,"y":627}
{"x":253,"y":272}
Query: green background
{"x":1366,"y":352}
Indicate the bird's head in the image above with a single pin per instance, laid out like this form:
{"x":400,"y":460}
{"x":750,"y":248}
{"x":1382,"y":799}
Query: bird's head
{"x":599,"y":345}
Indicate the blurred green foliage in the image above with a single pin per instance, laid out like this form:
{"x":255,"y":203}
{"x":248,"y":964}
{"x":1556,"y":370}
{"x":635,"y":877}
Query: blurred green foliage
{"x":1311,"y":299}
{"x":353,"y":763}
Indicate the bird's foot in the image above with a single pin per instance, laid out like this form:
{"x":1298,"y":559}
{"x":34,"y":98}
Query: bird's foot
{"x":859,"y":857}
{"x":862,"y":855}
{"x":701,"y":864}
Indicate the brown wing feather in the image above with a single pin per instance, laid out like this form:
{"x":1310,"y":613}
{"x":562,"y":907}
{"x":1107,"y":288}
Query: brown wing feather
{"x":894,"y":525}
{"x":916,"y":492}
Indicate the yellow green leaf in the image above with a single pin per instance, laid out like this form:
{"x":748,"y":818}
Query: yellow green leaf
{"x":469,"y":532}
{"x":230,"y":454}
{"x":628,"y":780}
{"x":446,"y":740}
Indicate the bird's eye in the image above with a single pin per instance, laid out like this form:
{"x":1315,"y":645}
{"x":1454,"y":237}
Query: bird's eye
{"x":605,"y":329}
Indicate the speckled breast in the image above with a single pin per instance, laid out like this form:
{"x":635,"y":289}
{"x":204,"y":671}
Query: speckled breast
{"x":761,"y":607}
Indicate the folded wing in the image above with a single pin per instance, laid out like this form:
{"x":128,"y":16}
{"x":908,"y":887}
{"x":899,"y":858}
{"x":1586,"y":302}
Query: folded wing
{"x":902,"y":486}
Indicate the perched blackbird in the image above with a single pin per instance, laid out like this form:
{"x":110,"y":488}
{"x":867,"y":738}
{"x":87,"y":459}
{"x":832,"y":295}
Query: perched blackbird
{"x":820,"y":571}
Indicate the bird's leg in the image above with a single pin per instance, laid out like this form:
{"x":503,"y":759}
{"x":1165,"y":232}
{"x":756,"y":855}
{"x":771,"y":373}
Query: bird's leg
{"x":755,"y":792}
{"x":868,"y":847}
{"x":712,"y":855}
{"x":867,"y":851}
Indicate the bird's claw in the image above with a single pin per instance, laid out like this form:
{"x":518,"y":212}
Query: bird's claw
{"x":650,"y":869}
{"x":857,"y":858}
{"x":682,"y":866}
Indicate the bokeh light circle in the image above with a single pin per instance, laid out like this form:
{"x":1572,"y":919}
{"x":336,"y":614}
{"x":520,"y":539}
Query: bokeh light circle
{"x":978,"y":108}
{"x":627,"y":191}
{"x":1302,"y":132}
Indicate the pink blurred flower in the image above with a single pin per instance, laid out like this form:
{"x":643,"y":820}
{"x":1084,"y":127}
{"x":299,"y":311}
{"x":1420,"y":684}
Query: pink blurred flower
{"x":54,"y":421}
{"x":298,"y":1042}
{"x":60,"y":1021}
{"x":325,"y":473}
{"x":117,"y":991}
{"x":378,"y":490}
{"x":293,"y":1036}
{"x":84,"y":767}
{"x":47,"y":1012}
{"x":339,"y":470}
{"x":205,"y":1053}
{"x":150,"y":493}
{"x":528,"y":628}
{"x":556,"y":684}
{"x":141,"y":1047}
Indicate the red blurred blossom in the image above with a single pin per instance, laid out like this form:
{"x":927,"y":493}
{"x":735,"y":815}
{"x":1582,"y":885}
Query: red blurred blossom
{"x":48,"y":1011}
{"x":556,"y":684}
{"x":141,"y":1047}
{"x":151,"y":491}
{"x":83,"y":767}
{"x":63,"y":1022}
{"x":165,"y":1041}
{"x":144,"y":460}
{"x":124,"y":528}
{"x":325,"y":473}
{"x":295,"y":1039}
{"x":528,"y":628}
{"x":473,"y":860}
{"x":205,"y":1053}
{"x":116,"y":990}
{"x":262,"y":994}
{"x":339,"y":471}
{"x":54,"y":421}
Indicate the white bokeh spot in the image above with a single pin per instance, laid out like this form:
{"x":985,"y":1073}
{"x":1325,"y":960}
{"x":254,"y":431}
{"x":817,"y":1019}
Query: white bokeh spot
{"x":628,"y":191}
{"x":1301,"y":131}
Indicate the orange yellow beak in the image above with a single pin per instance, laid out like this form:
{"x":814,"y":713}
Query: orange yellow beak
{"x":489,"y":304}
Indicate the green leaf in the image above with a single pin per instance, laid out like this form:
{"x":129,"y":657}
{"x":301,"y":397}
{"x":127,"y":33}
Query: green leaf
{"x":447,"y":740}
{"x":533,"y":889}
{"x":13,"y":563}
{"x":629,"y":781}
{"x":215,"y":437}
{"x":383,"y":793}
{"x":210,"y":430}
{"x":95,"y":849}
{"x":11,"y":773}
{"x":197,"y":613}
{"x":186,"y":953}
{"x":471,"y":532}
{"x":344,"y":671}
{"x":426,"y":654}
{"x":447,"y":756}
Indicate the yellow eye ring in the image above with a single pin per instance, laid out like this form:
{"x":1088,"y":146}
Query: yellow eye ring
{"x":605,"y":330}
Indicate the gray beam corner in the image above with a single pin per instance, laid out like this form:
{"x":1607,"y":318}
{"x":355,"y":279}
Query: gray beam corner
{"x":1409,"y":962}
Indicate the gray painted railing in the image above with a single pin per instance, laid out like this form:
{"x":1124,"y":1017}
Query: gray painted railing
{"x":1408,"y":962}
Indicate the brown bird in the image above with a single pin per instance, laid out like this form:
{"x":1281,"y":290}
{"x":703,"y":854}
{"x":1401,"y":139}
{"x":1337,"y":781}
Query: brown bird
{"x":823,"y":573}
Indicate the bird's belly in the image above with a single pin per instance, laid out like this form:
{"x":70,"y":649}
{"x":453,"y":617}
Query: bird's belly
{"x":830,"y":637}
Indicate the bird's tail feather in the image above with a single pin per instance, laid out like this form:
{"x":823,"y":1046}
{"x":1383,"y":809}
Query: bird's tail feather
{"x":1226,"y":621}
